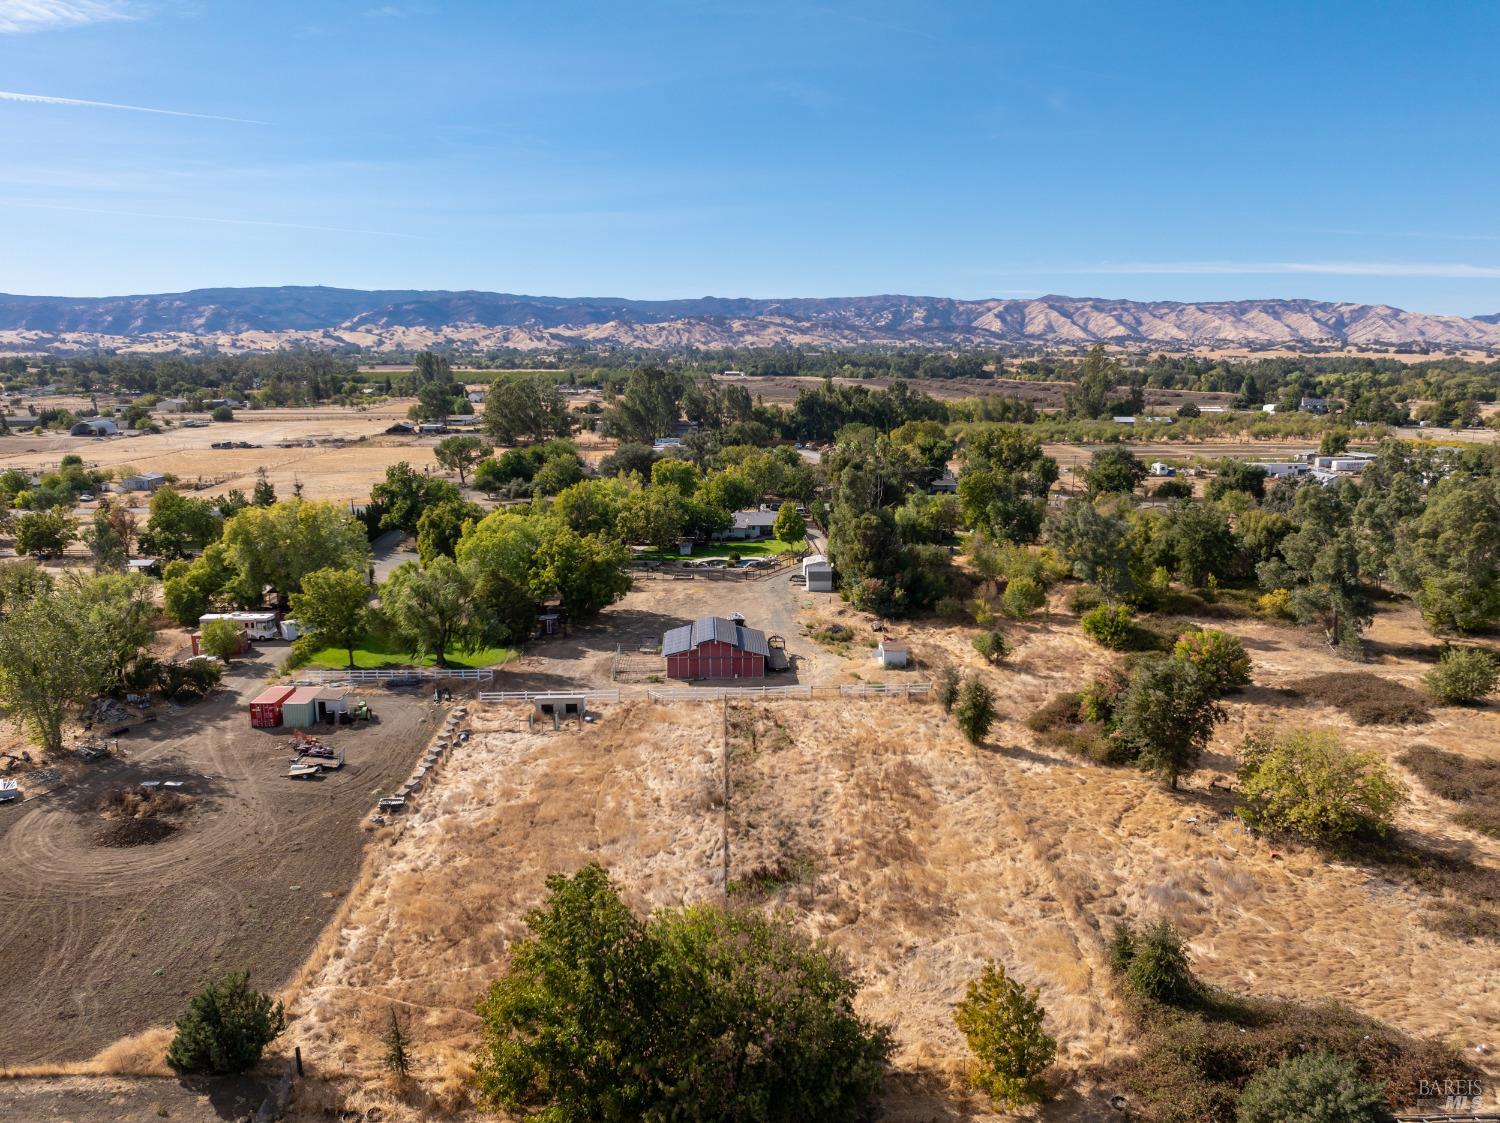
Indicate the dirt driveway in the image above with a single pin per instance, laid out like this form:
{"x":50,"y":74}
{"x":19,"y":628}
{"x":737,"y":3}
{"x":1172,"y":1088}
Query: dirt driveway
{"x":97,"y":942}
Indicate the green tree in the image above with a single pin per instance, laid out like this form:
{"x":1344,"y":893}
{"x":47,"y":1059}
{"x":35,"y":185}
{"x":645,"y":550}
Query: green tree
{"x":65,"y":645}
{"x":975,"y":709}
{"x":1334,"y":442}
{"x":107,"y":545}
{"x":790,"y":526}
{"x":178,"y":525}
{"x":41,"y":534}
{"x":434,"y":402}
{"x":680,"y":475}
{"x":586,"y":573}
{"x":334,"y":608}
{"x":1003,"y":487}
{"x":276,"y":547}
{"x":1237,"y":475}
{"x":20,"y":583}
{"x":1197,"y":543}
{"x":441,"y":526}
{"x":1166,"y":716}
{"x":947,"y":684}
{"x":557,"y":474}
{"x":226,"y":1028}
{"x":1463,"y":674}
{"x":1447,"y":557}
{"x":991,"y":647}
{"x":263,"y":494}
{"x":1097,"y":377}
{"x":1315,"y":1087}
{"x":702,"y":1013}
{"x":219,"y":637}
{"x":405,"y":493}
{"x":649,"y":406}
{"x":431,"y":608}
{"x":1097,"y":546}
{"x":460,"y":454}
{"x":522,"y":409}
{"x":1113,"y":469}
{"x":1003,"y":1023}
{"x":1304,"y":782}
{"x":1319,"y":566}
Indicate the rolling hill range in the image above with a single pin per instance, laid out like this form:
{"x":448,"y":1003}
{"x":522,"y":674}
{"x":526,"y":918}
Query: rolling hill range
{"x":243,"y":319}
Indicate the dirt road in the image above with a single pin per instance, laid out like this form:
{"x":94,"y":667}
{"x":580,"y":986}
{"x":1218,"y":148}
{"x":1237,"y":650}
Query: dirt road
{"x":98,"y":942}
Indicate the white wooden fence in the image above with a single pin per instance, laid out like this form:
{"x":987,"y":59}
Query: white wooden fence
{"x":901,"y":689}
{"x":531,"y":695}
{"x":719,"y":693}
{"x":424,"y":674}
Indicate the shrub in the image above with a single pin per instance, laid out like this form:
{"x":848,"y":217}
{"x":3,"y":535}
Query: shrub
{"x":1002,"y":1022}
{"x":1154,"y":964}
{"x":1023,"y":596}
{"x":1305,"y":783}
{"x":1173,"y":489}
{"x":219,"y":637}
{"x":1313,"y":1088}
{"x":1463,"y":674}
{"x":397,"y":1041}
{"x":222,"y":413}
{"x":226,"y":1029}
{"x":950,"y":609}
{"x":704,"y":1012}
{"x":1368,"y":699}
{"x":1219,"y":657}
{"x":1108,"y":625}
{"x":1083,"y":598}
{"x":982,"y":612}
{"x":991,"y":646}
{"x":1277,"y":605}
{"x":946,"y":683}
{"x":1098,"y":700}
{"x":975,"y":709}
{"x":1166,"y":717}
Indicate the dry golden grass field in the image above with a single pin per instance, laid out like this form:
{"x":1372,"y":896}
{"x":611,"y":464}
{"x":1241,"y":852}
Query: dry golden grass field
{"x":917,"y":855}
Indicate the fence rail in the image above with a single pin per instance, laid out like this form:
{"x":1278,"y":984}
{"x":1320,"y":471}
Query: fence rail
{"x":904,"y":689}
{"x":425,"y":674}
{"x":531,"y":695}
{"x":727,"y":693}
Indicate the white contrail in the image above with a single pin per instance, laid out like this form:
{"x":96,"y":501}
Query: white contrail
{"x":44,"y":99}
{"x":203,"y":218}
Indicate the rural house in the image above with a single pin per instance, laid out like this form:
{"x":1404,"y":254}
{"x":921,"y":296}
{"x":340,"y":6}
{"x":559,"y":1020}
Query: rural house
{"x":146,"y":481}
{"x":715,"y":647}
{"x":757,"y":523}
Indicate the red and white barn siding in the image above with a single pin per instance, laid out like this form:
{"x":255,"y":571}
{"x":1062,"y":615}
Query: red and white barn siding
{"x":716,"y":659}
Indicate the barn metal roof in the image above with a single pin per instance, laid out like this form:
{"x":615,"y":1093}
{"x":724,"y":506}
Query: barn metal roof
{"x":707,"y":628}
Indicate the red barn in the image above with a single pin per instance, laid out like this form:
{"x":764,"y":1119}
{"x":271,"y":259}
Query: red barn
{"x":714,"y":647}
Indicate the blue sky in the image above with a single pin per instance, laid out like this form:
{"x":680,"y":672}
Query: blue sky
{"x":1152,"y":151}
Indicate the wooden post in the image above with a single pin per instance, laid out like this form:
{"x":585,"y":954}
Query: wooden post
{"x":297,"y":1052}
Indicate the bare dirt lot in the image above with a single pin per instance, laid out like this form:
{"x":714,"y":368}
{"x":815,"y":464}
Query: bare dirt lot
{"x":101,"y":941}
{"x":916,"y":854}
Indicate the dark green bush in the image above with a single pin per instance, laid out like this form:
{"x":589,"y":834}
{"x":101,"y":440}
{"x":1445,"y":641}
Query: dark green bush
{"x":226,"y":1029}
{"x":1463,"y":674}
{"x":1313,"y":1088}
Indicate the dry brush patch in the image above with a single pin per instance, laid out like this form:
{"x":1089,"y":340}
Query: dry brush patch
{"x":447,"y":895}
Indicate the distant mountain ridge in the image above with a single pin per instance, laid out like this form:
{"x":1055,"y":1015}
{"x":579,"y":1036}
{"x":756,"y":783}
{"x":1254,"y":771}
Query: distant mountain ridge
{"x":241,"y":319}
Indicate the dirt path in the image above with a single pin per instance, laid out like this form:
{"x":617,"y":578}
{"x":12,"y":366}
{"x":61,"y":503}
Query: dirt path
{"x":99,"y":942}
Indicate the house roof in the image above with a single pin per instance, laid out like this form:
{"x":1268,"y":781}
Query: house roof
{"x":707,"y":628}
{"x":745,"y":519}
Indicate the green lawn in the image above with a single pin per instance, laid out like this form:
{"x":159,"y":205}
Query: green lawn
{"x":764,"y":548}
{"x":379,"y":653}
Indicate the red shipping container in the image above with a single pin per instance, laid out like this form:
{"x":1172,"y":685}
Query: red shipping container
{"x":265,"y":708}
